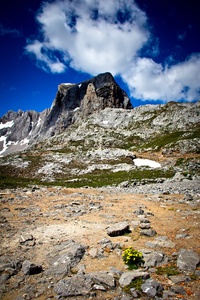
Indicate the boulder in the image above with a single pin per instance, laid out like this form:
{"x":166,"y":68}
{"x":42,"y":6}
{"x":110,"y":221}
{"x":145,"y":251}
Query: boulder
{"x":148,"y":232}
{"x":128,"y":277}
{"x":151,"y":287}
{"x":118,"y":229}
{"x":74,"y":286}
{"x":30,"y":268}
{"x":154,"y":258}
{"x":105,"y":278}
{"x":64,"y":257}
{"x":187,"y":260}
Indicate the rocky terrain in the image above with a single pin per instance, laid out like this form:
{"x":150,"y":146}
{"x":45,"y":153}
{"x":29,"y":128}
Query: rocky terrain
{"x":58,"y":243}
{"x":86,"y":179}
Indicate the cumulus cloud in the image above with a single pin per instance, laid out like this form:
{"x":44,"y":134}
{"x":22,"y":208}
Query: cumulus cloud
{"x":91,"y":36}
{"x":96,"y":36}
{"x":149,"y":80}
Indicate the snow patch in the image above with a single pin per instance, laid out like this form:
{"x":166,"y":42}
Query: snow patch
{"x":7,"y":124}
{"x":25,"y":141}
{"x":79,"y":85}
{"x":146,"y":162}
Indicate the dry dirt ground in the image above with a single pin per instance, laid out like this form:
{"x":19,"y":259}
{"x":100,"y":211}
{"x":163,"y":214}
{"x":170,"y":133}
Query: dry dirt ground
{"x":43,"y":213}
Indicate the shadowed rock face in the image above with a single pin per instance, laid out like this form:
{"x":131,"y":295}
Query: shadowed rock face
{"x":73,"y":102}
{"x":76,"y":101}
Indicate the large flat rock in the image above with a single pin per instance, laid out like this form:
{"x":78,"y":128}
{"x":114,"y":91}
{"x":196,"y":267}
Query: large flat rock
{"x":118,"y":229}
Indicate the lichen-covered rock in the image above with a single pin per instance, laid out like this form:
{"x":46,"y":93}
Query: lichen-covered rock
{"x":64,"y":257}
{"x":187,"y":260}
{"x":74,"y":286}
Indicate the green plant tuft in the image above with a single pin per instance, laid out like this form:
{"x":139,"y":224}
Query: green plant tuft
{"x":132,"y":258}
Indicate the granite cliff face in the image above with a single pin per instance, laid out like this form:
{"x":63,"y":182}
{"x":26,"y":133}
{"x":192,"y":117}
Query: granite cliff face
{"x":73,"y":102}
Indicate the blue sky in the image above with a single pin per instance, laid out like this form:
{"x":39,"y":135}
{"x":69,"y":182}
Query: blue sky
{"x":151,"y":47}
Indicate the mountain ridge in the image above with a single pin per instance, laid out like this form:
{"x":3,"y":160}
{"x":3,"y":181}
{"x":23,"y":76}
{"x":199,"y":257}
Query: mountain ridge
{"x":72,"y":102}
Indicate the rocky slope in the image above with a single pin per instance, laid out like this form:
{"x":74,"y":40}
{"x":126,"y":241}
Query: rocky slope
{"x":59,"y":243}
{"x":73,"y":103}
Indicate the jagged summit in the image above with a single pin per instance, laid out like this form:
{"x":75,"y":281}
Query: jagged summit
{"x":73,"y":102}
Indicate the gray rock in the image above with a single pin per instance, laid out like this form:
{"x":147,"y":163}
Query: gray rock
{"x":115,"y":271}
{"x":118,"y":229}
{"x":188,"y":197}
{"x":151,"y":287}
{"x":177,"y":289}
{"x":29,"y":268}
{"x":74,"y":286}
{"x":187,"y":260}
{"x":144,"y":220}
{"x":134,"y":294}
{"x":148,"y":232}
{"x":139,"y":211}
{"x":160,"y":241}
{"x":64,"y":257}
{"x":179,"y":279}
{"x":24,"y":239}
{"x":93,"y":252}
{"x":168,"y":295}
{"x":135,"y":224}
{"x":4,"y":277}
{"x":128,"y":277}
{"x":154,"y":258}
{"x":145,"y":226}
{"x":182,"y":235}
{"x":104,"y":278}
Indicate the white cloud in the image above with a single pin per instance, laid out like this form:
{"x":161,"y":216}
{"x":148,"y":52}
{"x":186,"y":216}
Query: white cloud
{"x":97,"y":36}
{"x":45,"y":61}
{"x":148,"y":80}
{"x":92,"y":36}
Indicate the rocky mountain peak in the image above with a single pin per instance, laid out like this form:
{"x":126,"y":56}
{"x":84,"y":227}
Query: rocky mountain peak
{"x":73,"y":102}
{"x":91,"y":95}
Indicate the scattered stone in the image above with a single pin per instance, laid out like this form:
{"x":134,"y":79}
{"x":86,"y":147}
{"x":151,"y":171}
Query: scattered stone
{"x":75,"y":286}
{"x":168,"y":295}
{"x":118,"y":229}
{"x":160,"y":241}
{"x":177,"y":289}
{"x":145,"y":226}
{"x":187,"y":260}
{"x":182,"y":235}
{"x":64,"y":257}
{"x":30,"y":268}
{"x":128,"y":277}
{"x":148,"y":232}
{"x":154,"y":259}
{"x":151,"y":287}
{"x":135,"y":224}
{"x":139,"y":211}
{"x":144,"y":220}
{"x":4,"y":277}
{"x":93,"y":252}
{"x":104,"y":278}
{"x":115,"y":271}
{"x":188,"y":197}
{"x":27,"y":240}
{"x":177,"y":279}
